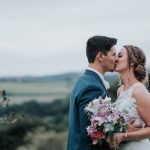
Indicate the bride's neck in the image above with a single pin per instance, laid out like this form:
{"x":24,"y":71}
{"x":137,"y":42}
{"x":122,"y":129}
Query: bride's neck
{"x":128,"y":79}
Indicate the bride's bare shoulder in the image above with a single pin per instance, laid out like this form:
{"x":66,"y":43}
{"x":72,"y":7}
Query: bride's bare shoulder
{"x":141,"y":93}
{"x":142,"y":97}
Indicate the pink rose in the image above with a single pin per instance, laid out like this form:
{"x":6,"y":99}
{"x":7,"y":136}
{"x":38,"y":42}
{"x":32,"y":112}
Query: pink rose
{"x":97,"y":134}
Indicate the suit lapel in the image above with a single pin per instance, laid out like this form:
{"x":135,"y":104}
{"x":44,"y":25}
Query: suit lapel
{"x":89,"y":72}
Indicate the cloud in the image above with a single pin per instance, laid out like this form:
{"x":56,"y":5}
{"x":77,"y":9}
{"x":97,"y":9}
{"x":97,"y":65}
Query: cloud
{"x":41,"y":37}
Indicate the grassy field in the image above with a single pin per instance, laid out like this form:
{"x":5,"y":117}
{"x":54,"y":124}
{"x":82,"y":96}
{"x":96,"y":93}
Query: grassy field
{"x":19,"y":92}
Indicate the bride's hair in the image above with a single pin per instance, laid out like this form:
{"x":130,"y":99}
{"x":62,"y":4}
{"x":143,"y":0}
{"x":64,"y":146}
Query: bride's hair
{"x":137,"y":60}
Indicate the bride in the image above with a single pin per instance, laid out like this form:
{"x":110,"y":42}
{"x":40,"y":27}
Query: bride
{"x":133,"y":98}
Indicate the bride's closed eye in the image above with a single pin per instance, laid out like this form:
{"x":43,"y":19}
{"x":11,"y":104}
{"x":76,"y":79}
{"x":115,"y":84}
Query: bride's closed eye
{"x":120,"y":54}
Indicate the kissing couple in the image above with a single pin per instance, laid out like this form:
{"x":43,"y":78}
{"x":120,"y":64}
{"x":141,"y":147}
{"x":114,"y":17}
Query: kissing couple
{"x":129,"y":62}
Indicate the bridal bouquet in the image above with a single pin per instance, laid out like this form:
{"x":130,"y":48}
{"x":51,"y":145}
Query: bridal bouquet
{"x":105,"y":119}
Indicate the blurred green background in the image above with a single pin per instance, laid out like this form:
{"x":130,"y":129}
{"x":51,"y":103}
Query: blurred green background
{"x":41,"y":105}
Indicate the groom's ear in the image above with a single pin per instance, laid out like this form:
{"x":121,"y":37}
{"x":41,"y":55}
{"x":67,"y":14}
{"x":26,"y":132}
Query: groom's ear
{"x":100,"y":56}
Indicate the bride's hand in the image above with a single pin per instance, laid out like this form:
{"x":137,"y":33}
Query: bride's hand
{"x":133,"y":127}
{"x":116,"y":140}
{"x":111,"y":143}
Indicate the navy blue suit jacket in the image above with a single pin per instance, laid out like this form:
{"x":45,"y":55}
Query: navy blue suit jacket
{"x":88,"y":87}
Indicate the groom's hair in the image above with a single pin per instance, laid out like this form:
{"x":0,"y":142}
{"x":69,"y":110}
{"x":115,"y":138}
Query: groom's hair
{"x":97,"y":44}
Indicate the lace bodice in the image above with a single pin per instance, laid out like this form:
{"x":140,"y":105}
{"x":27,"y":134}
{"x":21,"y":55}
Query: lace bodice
{"x":127,"y":104}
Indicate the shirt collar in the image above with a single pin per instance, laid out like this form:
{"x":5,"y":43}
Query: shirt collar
{"x":106,"y":84}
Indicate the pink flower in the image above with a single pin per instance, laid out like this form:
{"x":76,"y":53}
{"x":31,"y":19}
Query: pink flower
{"x":94,"y":123}
{"x":97,"y":134}
{"x":95,"y":142}
{"x":99,"y":120}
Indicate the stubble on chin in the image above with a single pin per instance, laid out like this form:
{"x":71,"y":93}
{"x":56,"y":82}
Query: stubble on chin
{"x":111,"y":70}
{"x":114,"y":67}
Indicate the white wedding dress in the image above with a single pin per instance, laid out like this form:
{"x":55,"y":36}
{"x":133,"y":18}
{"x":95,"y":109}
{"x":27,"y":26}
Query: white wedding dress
{"x":127,"y":104}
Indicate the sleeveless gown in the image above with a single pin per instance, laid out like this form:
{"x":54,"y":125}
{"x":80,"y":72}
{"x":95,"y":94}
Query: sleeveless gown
{"x":127,"y":104}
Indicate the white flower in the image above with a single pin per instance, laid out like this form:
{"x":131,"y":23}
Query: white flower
{"x":93,"y":106}
{"x":109,"y":118}
{"x":96,"y":101}
{"x":107,"y":99}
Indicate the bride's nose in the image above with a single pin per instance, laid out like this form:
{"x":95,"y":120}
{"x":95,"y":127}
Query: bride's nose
{"x":116,"y":58}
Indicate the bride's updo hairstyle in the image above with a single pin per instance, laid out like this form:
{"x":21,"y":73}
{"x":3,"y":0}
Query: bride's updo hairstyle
{"x":137,"y":60}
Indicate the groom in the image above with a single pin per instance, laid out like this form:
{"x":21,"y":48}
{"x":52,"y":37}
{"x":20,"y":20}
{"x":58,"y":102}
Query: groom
{"x":101,"y":54}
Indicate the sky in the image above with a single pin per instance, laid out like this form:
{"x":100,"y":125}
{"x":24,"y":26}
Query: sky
{"x":45,"y":37}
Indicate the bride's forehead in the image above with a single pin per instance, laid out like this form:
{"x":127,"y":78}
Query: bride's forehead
{"x":122,"y":50}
